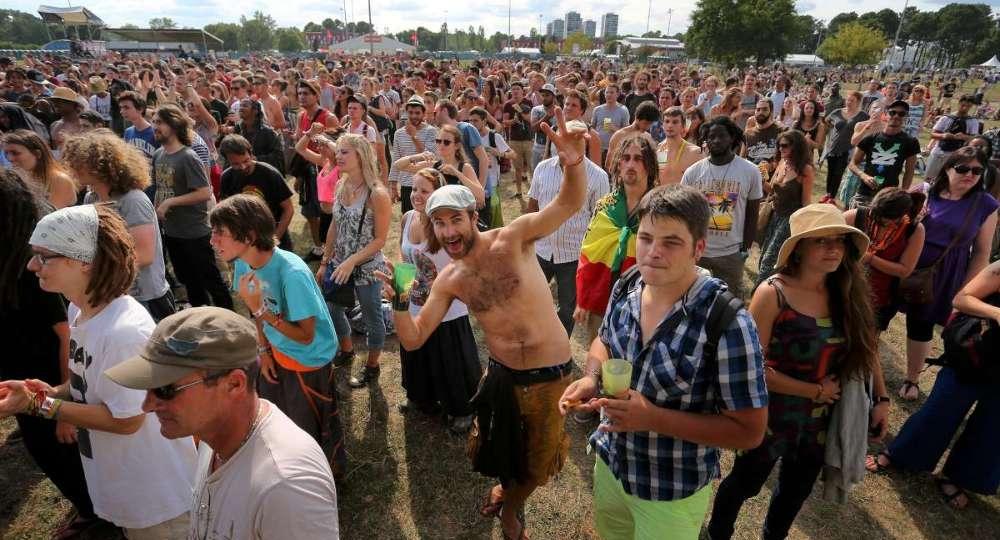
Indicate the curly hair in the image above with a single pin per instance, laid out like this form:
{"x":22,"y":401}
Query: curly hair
{"x":114,"y":267}
{"x":104,"y":157}
{"x":801,"y":154}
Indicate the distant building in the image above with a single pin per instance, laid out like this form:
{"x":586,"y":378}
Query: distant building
{"x":573,"y":23}
{"x":590,"y":28}
{"x":558,"y":29}
{"x":609,"y":25}
{"x":548,"y":29}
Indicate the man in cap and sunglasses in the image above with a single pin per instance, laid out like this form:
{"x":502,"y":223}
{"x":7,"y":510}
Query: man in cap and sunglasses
{"x":258,"y":474}
{"x":880,"y":158}
{"x":86,"y":253}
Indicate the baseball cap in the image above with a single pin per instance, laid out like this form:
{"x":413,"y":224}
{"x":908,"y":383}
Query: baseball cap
{"x":36,"y":76}
{"x":452,"y":197}
{"x":416,"y":101}
{"x":548,"y":87}
{"x":196,"y":338}
{"x":899,"y":103}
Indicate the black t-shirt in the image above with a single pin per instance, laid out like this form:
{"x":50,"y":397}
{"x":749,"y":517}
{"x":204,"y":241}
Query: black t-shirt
{"x":219,"y":110}
{"x":520,"y":127}
{"x":885,"y":156}
{"x":948,"y":90}
{"x":265,"y":182}
{"x":633,"y":100}
{"x":31,"y":344}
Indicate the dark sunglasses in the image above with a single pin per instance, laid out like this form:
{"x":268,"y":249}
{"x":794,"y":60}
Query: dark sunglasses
{"x":170,"y":391}
{"x":443,"y":142}
{"x":965,"y":169}
{"x":896,"y":113}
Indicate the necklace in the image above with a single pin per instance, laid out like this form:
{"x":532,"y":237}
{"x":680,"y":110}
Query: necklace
{"x":724,"y":173}
{"x":219,"y":460}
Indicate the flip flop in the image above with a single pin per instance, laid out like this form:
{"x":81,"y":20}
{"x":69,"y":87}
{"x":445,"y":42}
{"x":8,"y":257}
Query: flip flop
{"x":491,"y":505}
{"x":949,"y":498}
{"x":904,"y":391}
{"x":876,"y":467}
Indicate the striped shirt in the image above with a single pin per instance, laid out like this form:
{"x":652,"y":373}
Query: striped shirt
{"x":402,"y":146}
{"x":671,"y":373}
{"x":563,"y":245}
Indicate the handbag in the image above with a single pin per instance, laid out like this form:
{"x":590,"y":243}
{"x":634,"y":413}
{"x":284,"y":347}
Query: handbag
{"x":970,"y":345}
{"x":764,"y":215}
{"x":342,"y":294}
{"x":918,"y":288}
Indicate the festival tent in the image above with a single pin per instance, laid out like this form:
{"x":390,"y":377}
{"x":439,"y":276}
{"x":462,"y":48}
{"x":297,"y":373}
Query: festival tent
{"x":991,"y":63}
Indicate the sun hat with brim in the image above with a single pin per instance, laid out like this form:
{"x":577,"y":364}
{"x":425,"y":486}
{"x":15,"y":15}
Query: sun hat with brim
{"x":64,"y":93}
{"x":197,"y":338}
{"x":816,"y":220}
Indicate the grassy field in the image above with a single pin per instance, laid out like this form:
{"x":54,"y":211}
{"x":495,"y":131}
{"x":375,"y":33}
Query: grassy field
{"x":409,"y":479}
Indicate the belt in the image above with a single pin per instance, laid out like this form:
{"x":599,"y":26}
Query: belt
{"x":527,"y":377}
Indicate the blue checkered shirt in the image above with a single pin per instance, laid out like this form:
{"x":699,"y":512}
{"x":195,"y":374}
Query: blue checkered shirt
{"x":671,"y":373}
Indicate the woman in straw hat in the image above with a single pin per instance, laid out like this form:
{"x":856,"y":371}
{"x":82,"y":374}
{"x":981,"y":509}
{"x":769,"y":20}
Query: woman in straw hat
{"x":818,"y":330}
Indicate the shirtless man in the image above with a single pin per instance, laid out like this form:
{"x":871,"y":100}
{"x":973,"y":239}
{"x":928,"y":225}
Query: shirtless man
{"x":645,"y":115}
{"x":271,"y":106}
{"x":498,"y":276}
{"x":675,"y":155}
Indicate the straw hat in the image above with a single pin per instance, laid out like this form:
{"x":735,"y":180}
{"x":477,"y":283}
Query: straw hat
{"x":97,"y":84}
{"x":65,"y":94}
{"x":815,"y":220}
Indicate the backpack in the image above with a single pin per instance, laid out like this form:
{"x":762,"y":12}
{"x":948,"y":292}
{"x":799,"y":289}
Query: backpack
{"x":724,"y":309}
{"x":504,"y":162}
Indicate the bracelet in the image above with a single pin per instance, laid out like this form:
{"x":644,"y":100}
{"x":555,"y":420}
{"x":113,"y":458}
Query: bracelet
{"x":35,"y":400}
{"x":579,"y":161}
{"x":883,"y":399}
{"x":260,"y":312}
{"x":400,"y":305}
{"x":264,"y":349}
{"x":50,"y":408}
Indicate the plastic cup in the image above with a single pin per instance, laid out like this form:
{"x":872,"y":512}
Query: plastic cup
{"x":616,"y":376}
{"x":403,"y":275}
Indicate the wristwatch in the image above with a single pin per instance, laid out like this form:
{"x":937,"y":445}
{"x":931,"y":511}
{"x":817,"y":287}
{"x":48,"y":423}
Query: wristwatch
{"x":882,"y":399}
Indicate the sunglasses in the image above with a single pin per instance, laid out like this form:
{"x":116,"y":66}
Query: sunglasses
{"x":43,"y":260}
{"x":170,"y":391}
{"x":965,"y":169}
{"x":895,"y":112}
{"x":443,"y":142}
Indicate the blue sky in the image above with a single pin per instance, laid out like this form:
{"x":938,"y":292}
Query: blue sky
{"x":401,"y":14}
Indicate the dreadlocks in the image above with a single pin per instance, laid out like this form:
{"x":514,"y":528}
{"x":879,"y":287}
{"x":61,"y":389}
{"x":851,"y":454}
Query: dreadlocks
{"x":114,"y":268}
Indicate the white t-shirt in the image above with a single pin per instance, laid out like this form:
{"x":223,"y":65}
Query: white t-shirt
{"x":278,"y":485}
{"x":364,"y":130}
{"x":728,"y":188}
{"x":493,"y":172}
{"x":138,"y":480}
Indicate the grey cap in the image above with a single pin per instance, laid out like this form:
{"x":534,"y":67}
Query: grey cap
{"x":416,"y":101}
{"x":452,"y":197}
{"x":548,"y":87}
{"x":196,"y":338}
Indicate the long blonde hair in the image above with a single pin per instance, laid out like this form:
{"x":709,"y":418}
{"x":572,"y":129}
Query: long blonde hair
{"x":367,"y":161}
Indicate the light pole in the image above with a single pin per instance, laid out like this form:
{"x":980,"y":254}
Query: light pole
{"x":649,"y":13}
{"x":510,"y":38}
{"x":445,"y":30}
{"x":670,"y":17}
{"x":372,"y":27}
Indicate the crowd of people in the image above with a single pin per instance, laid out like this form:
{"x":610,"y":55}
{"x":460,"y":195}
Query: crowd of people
{"x":147,"y":208}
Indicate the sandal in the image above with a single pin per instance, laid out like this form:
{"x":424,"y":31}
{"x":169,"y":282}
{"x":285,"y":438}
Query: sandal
{"x":873,"y":464}
{"x":951,"y":499}
{"x":904,"y":391}
{"x":492,"y":505}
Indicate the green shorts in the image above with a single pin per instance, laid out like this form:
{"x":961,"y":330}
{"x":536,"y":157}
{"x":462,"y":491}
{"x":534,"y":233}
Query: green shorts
{"x":620,"y":516}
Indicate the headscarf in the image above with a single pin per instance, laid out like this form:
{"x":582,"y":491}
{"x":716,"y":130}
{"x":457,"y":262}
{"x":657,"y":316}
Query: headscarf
{"x":70,"y":232}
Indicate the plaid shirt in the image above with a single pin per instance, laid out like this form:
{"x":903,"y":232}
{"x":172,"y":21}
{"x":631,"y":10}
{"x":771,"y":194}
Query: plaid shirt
{"x":671,"y":373}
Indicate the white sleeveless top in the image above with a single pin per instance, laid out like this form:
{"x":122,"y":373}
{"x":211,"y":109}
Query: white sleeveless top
{"x":417,"y":254}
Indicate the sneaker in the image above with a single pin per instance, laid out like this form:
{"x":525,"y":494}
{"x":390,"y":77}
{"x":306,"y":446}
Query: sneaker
{"x":343,"y":358}
{"x":460,"y":425}
{"x":368,"y":375}
{"x":407,"y":406}
{"x":585,"y":417}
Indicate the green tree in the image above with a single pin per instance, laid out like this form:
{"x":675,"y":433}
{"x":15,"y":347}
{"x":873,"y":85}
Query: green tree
{"x":130,"y":26}
{"x":579,"y":39}
{"x":159,"y":23}
{"x":312,"y":27}
{"x":960,"y":27}
{"x":258,"y":32}
{"x":22,"y":28}
{"x":231,"y":35}
{"x":806,"y":34}
{"x":362,"y":27}
{"x":289,"y":40}
{"x":839,"y":20}
{"x":734,"y":31}
{"x":497,"y":42}
{"x":885,"y":21}
{"x":854,"y":43}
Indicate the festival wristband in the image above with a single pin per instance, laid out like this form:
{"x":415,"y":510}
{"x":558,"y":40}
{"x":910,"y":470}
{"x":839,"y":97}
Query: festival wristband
{"x":50,"y":408}
{"x":400,"y":305}
{"x":260,"y":312}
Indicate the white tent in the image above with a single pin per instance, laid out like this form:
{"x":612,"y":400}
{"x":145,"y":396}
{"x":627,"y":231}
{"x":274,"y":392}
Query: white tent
{"x":991,"y":63}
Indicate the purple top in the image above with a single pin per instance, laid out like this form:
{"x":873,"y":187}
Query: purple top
{"x":943,"y":221}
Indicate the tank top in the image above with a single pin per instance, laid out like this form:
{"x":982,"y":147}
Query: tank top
{"x":429,"y":265}
{"x":450,"y":179}
{"x":349,"y":241}
{"x":787,"y":196}
{"x":807,"y":349}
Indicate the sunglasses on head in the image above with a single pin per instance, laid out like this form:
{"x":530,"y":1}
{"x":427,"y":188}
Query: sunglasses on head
{"x":443,"y":142}
{"x":965,"y":169}
{"x":896,"y":112}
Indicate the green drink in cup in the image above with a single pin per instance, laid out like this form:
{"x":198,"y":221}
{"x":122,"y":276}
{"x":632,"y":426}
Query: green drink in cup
{"x":616,"y":376}
{"x":403,"y":275}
